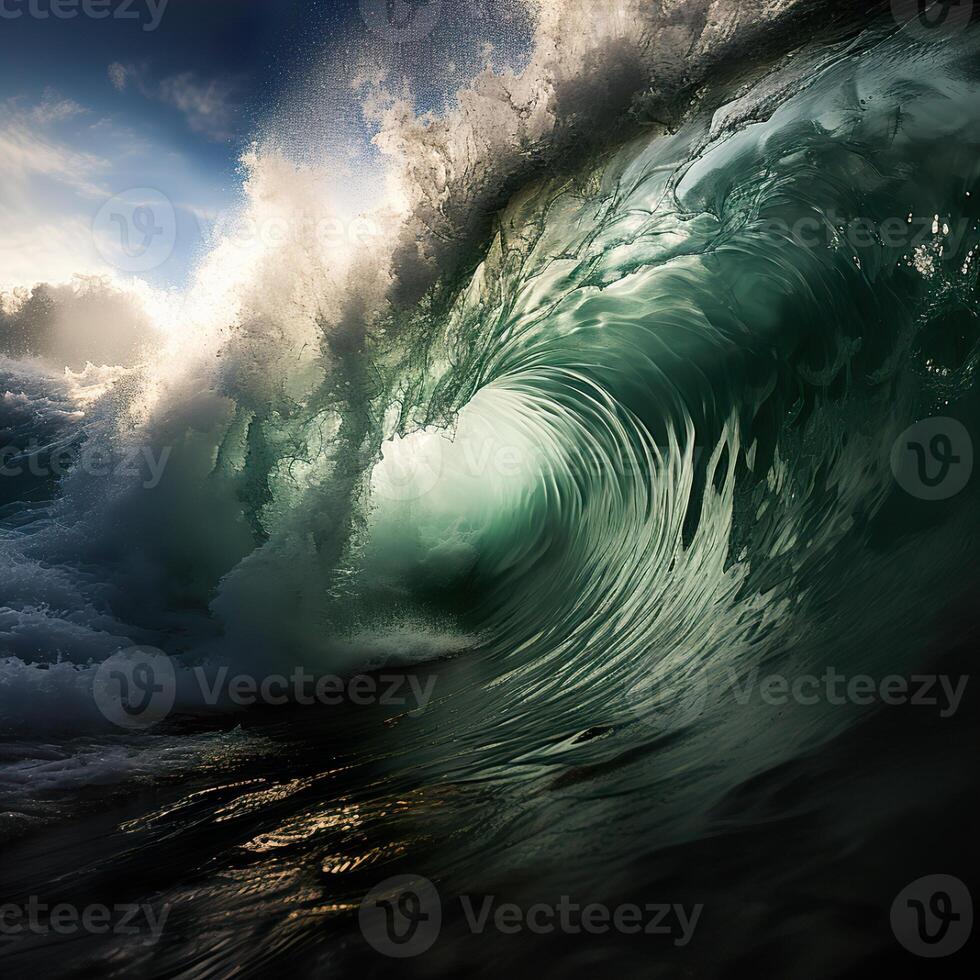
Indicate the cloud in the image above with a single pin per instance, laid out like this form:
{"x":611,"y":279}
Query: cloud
{"x":54,"y":109}
{"x":209,"y":106}
{"x":49,"y":248}
{"x":28,"y":152}
{"x":119,"y":75}
{"x":61,"y":162}
{"x":48,"y":185}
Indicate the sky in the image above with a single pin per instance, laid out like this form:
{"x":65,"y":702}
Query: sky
{"x":123,"y":122}
{"x":125,"y":98}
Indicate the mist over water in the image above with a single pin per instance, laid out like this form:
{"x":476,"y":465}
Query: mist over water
{"x":579,"y":439}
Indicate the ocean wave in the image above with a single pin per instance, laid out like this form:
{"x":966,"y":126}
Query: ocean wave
{"x":628,"y":425}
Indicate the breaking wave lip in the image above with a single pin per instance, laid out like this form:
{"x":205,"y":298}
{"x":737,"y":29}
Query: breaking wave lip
{"x":707,"y":451}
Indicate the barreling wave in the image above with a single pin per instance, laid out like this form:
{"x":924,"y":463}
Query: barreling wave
{"x":640,"y":434}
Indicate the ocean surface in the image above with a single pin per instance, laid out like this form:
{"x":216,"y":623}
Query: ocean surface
{"x":645,"y":441}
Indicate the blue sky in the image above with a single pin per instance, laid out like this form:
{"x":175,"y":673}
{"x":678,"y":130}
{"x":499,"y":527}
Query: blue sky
{"x":151,"y":97}
{"x":94,"y":107}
